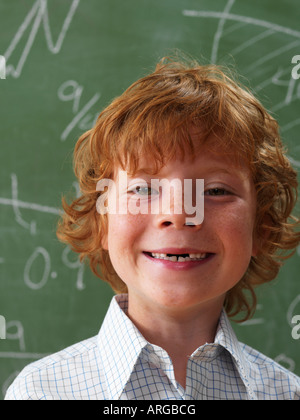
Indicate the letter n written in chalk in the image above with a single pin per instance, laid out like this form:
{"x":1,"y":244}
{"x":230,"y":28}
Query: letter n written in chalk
{"x":2,"y":328}
{"x":2,"y":67}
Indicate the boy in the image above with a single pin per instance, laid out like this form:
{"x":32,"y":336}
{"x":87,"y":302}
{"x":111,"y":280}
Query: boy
{"x":166,"y":334}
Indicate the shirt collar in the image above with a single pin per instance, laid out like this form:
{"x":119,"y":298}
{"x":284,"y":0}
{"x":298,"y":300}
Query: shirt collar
{"x":226,"y":337}
{"x":121,"y":344}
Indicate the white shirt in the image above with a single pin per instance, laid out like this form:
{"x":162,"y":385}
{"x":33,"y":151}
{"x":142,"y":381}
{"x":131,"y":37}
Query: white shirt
{"x":119,"y":363}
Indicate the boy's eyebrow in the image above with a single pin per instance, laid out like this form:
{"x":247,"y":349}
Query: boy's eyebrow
{"x":221,"y":170}
{"x":214,"y":170}
{"x":241,"y":173}
{"x":243,"y":170}
{"x":142,"y":171}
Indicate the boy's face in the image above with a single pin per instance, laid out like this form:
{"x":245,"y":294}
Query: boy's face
{"x":224,"y":239}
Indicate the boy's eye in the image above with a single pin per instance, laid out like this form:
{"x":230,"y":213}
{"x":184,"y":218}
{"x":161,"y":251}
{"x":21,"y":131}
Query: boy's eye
{"x":143,"y":190}
{"x":217,"y":191}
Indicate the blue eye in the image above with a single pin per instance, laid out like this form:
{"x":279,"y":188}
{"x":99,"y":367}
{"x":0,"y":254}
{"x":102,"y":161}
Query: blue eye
{"x":143,"y":190}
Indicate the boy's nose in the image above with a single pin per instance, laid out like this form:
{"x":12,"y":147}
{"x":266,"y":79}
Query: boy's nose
{"x":179,"y":213}
{"x":178,"y":221}
{"x":177,"y":218}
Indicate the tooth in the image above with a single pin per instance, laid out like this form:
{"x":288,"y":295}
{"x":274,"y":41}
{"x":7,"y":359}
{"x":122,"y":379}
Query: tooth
{"x":174,"y":258}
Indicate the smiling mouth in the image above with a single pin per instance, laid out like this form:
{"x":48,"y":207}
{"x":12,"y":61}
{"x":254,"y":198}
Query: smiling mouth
{"x":178,"y":257}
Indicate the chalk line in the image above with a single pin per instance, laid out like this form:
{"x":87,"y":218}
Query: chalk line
{"x":29,"y":206}
{"x":251,"y":41}
{"x":37,"y":15}
{"x":244,"y":19}
{"x":219,"y":32}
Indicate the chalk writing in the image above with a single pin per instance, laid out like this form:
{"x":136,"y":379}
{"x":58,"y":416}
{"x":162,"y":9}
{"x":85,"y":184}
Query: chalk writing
{"x":72,"y":91}
{"x":74,"y":265}
{"x":14,"y":191}
{"x":19,"y":204}
{"x":47,"y":265}
{"x":41,"y":258}
{"x":271,"y":28}
{"x":244,"y":19}
{"x":37,"y":15}
{"x":17,"y":333}
{"x":254,"y":320}
{"x":285,"y":361}
{"x":293,"y":309}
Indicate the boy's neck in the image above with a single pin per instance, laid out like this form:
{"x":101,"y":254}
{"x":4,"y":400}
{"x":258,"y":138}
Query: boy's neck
{"x":179,"y":334}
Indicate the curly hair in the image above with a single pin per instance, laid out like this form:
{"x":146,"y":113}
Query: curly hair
{"x":168,"y":101}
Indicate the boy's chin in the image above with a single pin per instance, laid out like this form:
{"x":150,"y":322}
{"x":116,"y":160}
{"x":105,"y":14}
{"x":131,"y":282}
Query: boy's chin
{"x":181,"y":302}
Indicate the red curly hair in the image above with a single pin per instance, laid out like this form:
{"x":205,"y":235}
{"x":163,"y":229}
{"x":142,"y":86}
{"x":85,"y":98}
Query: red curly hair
{"x":168,"y":101}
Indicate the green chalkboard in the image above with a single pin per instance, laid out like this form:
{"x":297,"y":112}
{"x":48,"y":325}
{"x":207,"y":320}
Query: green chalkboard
{"x":64,"y":61}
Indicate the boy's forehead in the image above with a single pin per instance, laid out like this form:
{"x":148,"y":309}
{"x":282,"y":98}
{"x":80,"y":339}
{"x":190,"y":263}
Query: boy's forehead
{"x":211,"y":159}
{"x":196,"y":143}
